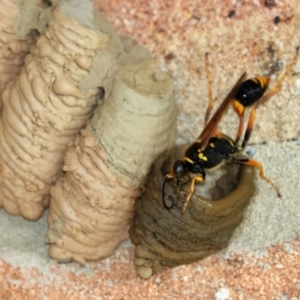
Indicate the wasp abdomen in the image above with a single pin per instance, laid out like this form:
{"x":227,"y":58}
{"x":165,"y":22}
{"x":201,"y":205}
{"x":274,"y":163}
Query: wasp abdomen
{"x":251,"y":90}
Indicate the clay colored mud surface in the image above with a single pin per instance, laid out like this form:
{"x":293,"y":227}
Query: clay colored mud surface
{"x":163,"y":237}
{"x":107,"y":163}
{"x":43,"y":109}
{"x":14,"y":46}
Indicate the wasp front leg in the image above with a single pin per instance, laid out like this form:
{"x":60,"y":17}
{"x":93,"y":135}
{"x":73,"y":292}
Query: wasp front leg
{"x":192,"y":189}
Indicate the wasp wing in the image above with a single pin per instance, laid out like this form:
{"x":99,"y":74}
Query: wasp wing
{"x":211,"y":126}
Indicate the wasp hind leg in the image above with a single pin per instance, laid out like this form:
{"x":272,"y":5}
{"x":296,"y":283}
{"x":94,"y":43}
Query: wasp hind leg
{"x":266,"y":97}
{"x":277,"y":87}
{"x":192,"y":189}
{"x":249,"y":127}
{"x":256,"y":164}
{"x":240,"y":110}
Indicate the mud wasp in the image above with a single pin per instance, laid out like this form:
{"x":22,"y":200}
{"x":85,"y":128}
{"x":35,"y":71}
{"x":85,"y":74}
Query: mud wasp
{"x":212,"y":147}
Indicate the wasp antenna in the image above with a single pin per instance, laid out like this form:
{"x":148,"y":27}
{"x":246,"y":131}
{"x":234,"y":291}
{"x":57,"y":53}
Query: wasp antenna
{"x":167,"y":177}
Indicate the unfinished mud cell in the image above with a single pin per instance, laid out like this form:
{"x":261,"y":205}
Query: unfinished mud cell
{"x":107,"y":163}
{"x":163,"y":237}
{"x":48,"y":103}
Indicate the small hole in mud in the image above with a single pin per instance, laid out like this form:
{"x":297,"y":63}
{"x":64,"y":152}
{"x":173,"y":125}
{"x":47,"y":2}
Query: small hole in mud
{"x":46,"y":3}
{"x":170,"y":56}
{"x":276,"y":20}
{"x":231,"y":14}
{"x":270,"y":3}
{"x":101,"y":92}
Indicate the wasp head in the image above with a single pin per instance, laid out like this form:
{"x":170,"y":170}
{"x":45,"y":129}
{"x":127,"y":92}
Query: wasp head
{"x":178,"y":172}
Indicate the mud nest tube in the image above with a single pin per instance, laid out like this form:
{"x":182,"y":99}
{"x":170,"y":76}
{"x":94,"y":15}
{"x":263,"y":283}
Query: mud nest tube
{"x":163,"y":237}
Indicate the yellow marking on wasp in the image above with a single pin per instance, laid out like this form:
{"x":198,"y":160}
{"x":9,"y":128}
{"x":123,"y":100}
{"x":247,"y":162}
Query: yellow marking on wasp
{"x":201,"y":156}
{"x":212,"y":145}
{"x":188,"y":160}
{"x":238,"y":107}
{"x":261,"y":80}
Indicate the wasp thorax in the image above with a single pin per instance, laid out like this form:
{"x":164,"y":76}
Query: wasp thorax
{"x":163,"y":237}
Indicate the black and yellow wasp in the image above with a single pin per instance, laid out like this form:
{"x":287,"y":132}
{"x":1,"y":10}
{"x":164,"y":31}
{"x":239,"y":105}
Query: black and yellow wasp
{"x":213,"y":147}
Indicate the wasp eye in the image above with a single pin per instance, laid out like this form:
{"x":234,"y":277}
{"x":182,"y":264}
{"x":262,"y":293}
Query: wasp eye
{"x":179,"y":168}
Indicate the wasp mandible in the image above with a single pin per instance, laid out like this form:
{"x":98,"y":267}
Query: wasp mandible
{"x":212,"y":147}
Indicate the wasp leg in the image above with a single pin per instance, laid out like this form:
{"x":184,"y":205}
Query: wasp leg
{"x":211,"y":101}
{"x":192,"y":189}
{"x":249,"y":127}
{"x":265,"y":98}
{"x":277,"y":87}
{"x":254,"y":163}
{"x":240,"y":110}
